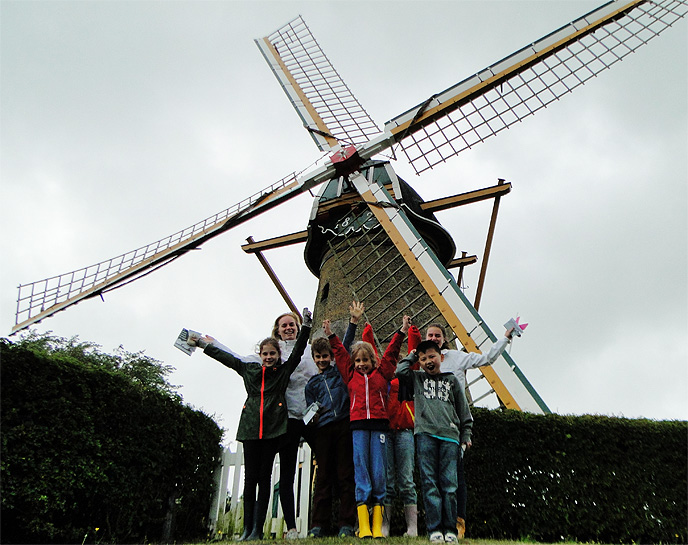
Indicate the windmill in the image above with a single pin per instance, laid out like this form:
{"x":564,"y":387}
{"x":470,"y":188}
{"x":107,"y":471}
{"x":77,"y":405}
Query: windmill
{"x":60,"y":292}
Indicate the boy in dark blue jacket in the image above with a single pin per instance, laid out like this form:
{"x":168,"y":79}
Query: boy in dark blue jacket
{"x":333,"y":444}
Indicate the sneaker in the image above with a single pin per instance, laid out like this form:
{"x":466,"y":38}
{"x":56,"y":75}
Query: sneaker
{"x":346,"y":531}
{"x":450,"y":538}
{"x":315,"y":531}
{"x":436,"y":537}
{"x":292,"y":534}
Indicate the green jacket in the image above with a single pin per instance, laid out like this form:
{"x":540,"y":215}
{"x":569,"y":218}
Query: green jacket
{"x":264,"y":414}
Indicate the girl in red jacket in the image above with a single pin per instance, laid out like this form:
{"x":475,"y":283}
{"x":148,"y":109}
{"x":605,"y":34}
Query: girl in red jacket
{"x":368,"y":384}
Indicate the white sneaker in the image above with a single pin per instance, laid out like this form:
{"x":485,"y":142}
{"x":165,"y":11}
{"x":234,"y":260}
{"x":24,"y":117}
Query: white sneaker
{"x":436,"y":537}
{"x":292,"y":534}
{"x":450,"y":538}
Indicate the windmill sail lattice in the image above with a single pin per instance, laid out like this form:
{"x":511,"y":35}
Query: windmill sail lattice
{"x":526,"y":81}
{"x":43,"y":298}
{"x":321,"y":98}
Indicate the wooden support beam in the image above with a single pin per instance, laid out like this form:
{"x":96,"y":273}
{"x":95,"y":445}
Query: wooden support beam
{"x":478,"y":195}
{"x":275,"y":280}
{"x":488,"y":246}
{"x":462,"y":261}
{"x":276,"y":242}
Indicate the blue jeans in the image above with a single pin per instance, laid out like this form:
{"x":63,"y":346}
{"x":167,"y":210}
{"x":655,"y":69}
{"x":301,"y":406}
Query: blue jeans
{"x":400,"y":463}
{"x":370,"y":466}
{"x":437,"y":461}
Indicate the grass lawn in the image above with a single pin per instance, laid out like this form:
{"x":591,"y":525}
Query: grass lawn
{"x":392,"y":540}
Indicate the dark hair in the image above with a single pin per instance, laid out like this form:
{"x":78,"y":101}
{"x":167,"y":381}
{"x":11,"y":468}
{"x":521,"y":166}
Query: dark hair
{"x":425,"y":346}
{"x":322,"y":345}
{"x":444,"y":334}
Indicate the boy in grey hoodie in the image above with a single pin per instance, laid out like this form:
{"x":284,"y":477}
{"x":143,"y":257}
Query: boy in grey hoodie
{"x":443,"y":430}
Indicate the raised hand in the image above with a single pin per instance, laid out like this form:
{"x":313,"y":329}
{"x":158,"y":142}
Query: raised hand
{"x":406,"y":324}
{"x":307,"y":318}
{"x":356,"y":311}
{"x":327,"y":327}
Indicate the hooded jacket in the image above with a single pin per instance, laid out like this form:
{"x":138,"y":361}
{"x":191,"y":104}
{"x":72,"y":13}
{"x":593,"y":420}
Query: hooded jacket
{"x":264,"y":415}
{"x":368,"y":393}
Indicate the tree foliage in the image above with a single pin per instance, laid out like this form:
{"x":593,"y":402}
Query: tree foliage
{"x":139,"y":368}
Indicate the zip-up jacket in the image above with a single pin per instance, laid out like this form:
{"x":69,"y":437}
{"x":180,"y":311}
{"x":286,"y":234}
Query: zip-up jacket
{"x":401,"y":411}
{"x":368,"y":393}
{"x":296,"y":401}
{"x":264,"y":415}
{"x":328,"y":389}
{"x":457,"y":361}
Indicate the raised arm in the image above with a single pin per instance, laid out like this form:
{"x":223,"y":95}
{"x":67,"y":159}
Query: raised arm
{"x":403,"y":371}
{"x":473,"y":359}
{"x":341,"y":356}
{"x":227,"y":359}
{"x":301,"y":341}
{"x":355,"y":312}
{"x":391,"y":355}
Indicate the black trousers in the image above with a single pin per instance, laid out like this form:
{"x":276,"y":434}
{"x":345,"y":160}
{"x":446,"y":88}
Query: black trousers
{"x":288,"y":451}
{"x":259,"y":455}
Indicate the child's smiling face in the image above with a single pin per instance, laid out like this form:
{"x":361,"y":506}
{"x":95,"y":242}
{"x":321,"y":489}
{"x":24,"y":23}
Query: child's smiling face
{"x":322,"y":360}
{"x":435,"y":334}
{"x":430,"y":361}
{"x":269,"y":355}
{"x":362,"y":362}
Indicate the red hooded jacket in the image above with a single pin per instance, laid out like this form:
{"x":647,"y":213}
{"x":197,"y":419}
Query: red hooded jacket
{"x":368,"y":393}
{"x":401,"y":411}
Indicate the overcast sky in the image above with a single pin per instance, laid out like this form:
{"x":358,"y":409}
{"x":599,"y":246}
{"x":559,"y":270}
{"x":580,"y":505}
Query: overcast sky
{"x":123,"y":122}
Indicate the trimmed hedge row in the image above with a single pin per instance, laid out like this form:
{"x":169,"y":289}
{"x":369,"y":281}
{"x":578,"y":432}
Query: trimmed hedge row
{"x":88,"y":455}
{"x":583,"y":478}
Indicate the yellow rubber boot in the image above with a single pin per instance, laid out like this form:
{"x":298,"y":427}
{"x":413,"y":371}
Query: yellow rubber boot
{"x":364,"y":522}
{"x":377,"y":521}
{"x":460,"y":527}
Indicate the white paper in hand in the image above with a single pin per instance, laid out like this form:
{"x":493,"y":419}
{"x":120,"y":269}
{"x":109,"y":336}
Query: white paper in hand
{"x":183,"y":338}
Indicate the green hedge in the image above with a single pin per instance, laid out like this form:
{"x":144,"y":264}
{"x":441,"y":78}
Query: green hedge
{"x":558,"y":478}
{"x":86,"y":448}
{"x":587,"y":478}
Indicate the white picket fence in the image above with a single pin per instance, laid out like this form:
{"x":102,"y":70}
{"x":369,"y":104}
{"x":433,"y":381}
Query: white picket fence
{"x":230,"y":473}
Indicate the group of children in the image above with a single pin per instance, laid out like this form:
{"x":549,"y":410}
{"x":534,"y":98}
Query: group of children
{"x":373,"y":416}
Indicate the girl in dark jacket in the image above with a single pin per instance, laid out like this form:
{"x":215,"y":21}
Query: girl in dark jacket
{"x":263,"y":419}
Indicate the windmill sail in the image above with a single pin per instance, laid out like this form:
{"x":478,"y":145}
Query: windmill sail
{"x":526,"y":81}
{"x":326,"y":106}
{"x":43,"y":298}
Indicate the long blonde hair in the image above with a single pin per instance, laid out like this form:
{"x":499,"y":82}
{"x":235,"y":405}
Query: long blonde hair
{"x":275,"y":327}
